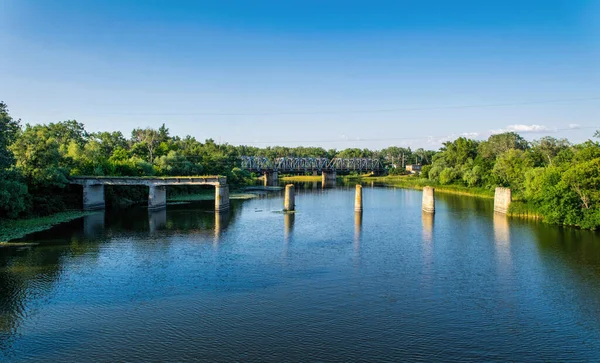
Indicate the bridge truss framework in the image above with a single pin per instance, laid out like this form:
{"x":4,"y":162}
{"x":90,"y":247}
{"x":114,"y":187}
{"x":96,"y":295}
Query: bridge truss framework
{"x":288,"y":164}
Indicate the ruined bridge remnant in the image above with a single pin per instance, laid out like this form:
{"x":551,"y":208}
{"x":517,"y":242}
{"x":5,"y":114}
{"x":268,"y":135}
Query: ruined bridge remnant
{"x":327,"y":167}
{"x":93,"y":189}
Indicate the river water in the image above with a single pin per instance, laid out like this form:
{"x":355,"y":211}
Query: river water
{"x":321,"y":284}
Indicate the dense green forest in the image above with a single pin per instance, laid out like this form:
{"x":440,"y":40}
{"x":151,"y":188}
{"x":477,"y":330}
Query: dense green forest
{"x":552,"y":177}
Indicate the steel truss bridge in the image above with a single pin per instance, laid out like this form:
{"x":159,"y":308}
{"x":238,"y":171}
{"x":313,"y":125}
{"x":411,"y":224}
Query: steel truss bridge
{"x":301,"y":165}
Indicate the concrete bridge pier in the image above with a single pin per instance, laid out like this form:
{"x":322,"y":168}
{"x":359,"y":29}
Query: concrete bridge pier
{"x":271,"y":178}
{"x":428,"y":200}
{"x":328,"y":177}
{"x":502,"y":200}
{"x":221,"y":197}
{"x":289,"y":203}
{"x":157,"y":197}
{"x":358,"y":204}
{"x":93,"y":196}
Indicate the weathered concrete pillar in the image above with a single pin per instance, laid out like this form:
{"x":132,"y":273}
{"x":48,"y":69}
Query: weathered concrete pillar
{"x":502,"y":200}
{"x":289,"y":203}
{"x":428,"y":200}
{"x":328,"y":176}
{"x":358,"y":205}
{"x":221,"y":197}
{"x":93,"y":197}
{"x":270,"y":178}
{"x":157,"y":197}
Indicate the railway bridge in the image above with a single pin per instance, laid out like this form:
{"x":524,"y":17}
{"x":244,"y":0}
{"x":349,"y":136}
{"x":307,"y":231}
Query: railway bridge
{"x":328,"y":168}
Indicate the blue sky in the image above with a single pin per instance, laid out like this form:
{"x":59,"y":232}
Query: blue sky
{"x":327,"y":73}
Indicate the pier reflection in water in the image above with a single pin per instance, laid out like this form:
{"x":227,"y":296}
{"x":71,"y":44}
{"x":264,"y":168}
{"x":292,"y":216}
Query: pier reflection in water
{"x":289,"y":219}
{"x":427,"y":220}
{"x":157,"y":219}
{"x":502,"y":239}
{"x":221,"y":222}
{"x":93,"y":224}
{"x":358,"y":222}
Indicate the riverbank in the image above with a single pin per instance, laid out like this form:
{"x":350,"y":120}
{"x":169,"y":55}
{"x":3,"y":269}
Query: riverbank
{"x":12,"y":229}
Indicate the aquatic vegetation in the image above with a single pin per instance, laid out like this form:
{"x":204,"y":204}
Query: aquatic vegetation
{"x":15,"y":229}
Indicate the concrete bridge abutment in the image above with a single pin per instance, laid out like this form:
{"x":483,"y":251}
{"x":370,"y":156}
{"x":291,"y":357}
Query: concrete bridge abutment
{"x":93,"y":196}
{"x":502,"y":200}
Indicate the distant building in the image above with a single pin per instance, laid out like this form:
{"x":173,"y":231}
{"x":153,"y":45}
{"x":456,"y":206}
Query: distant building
{"x":413,"y":168}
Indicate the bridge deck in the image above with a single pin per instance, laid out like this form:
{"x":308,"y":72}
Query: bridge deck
{"x":154,"y":181}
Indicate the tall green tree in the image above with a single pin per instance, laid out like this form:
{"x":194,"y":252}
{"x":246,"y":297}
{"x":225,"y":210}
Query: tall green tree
{"x":12,"y":190}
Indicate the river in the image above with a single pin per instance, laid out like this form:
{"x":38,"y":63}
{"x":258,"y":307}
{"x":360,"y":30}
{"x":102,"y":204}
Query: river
{"x":323,"y":284}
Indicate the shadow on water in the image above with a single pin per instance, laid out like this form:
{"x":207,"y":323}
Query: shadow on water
{"x":578,"y":248}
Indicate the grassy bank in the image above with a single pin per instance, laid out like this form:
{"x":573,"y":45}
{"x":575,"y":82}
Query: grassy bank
{"x":13,"y":229}
{"x":521,"y":209}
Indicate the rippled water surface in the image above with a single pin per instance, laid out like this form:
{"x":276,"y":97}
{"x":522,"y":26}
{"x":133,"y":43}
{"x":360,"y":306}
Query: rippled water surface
{"x":321,"y":284}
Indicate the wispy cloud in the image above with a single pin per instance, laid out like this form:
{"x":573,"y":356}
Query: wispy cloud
{"x":574,"y":126}
{"x":523,"y":129}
